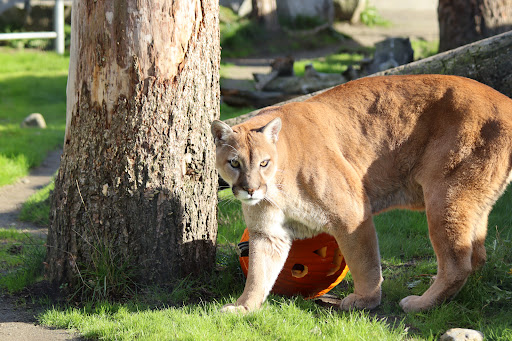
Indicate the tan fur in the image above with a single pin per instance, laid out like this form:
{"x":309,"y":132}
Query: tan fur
{"x":439,"y":143}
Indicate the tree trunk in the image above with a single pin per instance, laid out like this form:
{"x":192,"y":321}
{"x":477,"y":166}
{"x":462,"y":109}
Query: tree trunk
{"x":488,"y":61}
{"x":462,"y":22}
{"x":266,"y":11}
{"x":137,"y":176}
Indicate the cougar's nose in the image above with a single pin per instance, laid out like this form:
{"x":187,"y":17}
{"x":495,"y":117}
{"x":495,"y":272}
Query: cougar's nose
{"x":250,"y":190}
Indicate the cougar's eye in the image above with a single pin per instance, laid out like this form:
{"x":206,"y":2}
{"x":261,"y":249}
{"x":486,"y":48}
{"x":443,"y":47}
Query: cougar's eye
{"x":264,"y":163}
{"x":234,"y":163}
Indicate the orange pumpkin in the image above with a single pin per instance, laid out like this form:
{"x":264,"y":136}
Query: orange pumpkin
{"x":314,"y":266}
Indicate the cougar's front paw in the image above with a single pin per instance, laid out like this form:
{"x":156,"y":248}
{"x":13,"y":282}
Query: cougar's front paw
{"x":233,"y":308}
{"x":354,"y":301}
{"x":412,"y":304}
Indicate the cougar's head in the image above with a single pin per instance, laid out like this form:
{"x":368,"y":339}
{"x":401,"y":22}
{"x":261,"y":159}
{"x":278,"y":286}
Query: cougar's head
{"x":247,"y":159}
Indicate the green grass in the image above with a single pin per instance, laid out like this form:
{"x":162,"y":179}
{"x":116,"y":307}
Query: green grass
{"x":230,"y":218}
{"x":227,"y":111}
{"x":184,"y":312}
{"x":336,"y":63}
{"x":370,"y":16}
{"x":30,"y":81}
{"x":424,"y":48}
{"x":21,"y":259}
{"x":36,"y":209}
{"x":280,"y":319}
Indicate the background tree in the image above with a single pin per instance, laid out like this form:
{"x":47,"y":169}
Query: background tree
{"x":265,"y":11}
{"x":137,"y":180}
{"x":462,"y":22}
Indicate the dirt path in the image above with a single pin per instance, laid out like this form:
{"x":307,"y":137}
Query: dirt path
{"x":14,"y":195}
{"x":17,"y":323}
{"x":17,"y":318}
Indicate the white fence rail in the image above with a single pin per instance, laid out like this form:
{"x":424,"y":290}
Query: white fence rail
{"x":58,"y":34}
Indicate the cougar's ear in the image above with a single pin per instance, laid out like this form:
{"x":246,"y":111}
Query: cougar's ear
{"x":272,"y":129}
{"x":220,"y":131}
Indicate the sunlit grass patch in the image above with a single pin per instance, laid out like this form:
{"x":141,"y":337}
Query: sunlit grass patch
{"x":424,"y":48}
{"x":280,"y":318}
{"x":336,"y":63}
{"x":30,"y":82}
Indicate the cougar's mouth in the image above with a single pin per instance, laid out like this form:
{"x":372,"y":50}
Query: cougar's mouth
{"x":250,"y":202}
{"x":250,"y":198}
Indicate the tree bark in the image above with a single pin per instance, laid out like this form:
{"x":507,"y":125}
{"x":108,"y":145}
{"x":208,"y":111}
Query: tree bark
{"x":462,"y":22}
{"x":488,"y":61}
{"x":137,"y":174}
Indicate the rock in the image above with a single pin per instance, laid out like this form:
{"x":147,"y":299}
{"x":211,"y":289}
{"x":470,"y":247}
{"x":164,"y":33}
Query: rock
{"x":389,"y":53}
{"x":35,"y":120}
{"x":284,"y":65}
{"x":459,"y":334}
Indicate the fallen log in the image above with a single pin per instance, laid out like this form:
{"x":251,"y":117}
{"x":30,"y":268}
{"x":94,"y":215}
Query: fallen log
{"x":256,"y":99}
{"x":488,"y":61}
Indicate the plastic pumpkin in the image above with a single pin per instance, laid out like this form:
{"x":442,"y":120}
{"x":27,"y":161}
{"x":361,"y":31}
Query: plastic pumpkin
{"x":314,"y":266}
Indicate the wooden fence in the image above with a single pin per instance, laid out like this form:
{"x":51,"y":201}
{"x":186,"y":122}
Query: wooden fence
{"x":57,"y":34}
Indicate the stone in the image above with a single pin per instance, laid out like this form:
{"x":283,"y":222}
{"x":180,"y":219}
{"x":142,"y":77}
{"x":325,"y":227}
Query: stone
{"x":460,"y":334}
{"x":35,"y":120}
{"x":390,"y":53}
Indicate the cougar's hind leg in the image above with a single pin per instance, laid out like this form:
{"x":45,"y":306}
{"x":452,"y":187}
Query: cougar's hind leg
{"x":456,"y":223}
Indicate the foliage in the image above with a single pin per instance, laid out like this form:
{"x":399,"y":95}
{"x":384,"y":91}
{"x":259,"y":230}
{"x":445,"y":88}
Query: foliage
{"x":241,"y":37}
{"x":302,"y":22}
{"x":237,"y":34}
{"x":424,"y":48}
{"x":371,"y":17}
